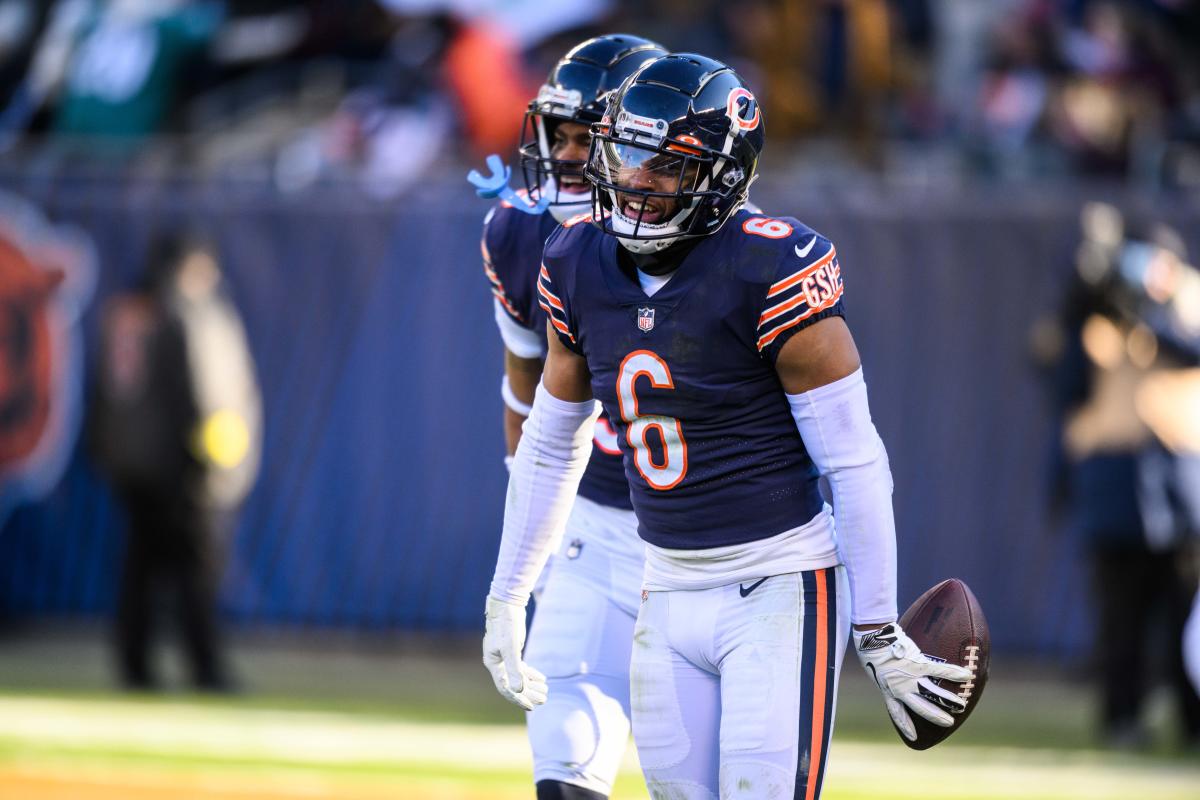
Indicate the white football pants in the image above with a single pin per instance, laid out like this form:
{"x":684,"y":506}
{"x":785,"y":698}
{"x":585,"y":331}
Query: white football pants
{"x":734,"y":688}
{"x":580,"y":639}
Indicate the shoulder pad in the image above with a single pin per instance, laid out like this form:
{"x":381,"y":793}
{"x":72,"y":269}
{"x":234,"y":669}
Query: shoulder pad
{"x":568,"y":235}
{"x":496,"y":228}
{"x":805,"y":279}
{"x":785,"y":243}
{"x":767,"y":246}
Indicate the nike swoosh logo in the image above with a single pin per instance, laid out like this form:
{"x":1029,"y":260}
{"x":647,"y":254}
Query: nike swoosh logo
{"x":802,"y":252}
{"x":874,"y":677}
{"x":746,"y":592}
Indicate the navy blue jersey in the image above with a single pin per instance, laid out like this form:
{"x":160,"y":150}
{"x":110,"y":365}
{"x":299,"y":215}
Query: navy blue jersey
{"x":512,"y":249}
{"x":711,"y":449}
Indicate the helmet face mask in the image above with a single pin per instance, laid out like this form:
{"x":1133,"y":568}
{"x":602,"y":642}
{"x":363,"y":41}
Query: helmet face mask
{"x":651,"y":197}
{"x":576,"y":91}
{"x":544,"y":172}
{"x":675,"y":153}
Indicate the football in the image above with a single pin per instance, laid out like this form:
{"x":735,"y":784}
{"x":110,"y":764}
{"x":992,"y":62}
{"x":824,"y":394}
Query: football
{"x":947,"y":623}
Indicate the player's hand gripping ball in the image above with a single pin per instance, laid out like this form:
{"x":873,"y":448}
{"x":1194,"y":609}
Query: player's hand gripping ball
{"x":945,"y":629}
{"x":503,"y":639}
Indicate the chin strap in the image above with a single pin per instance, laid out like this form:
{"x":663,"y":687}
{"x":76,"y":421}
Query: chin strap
{"x":496,"y":185}
{"x":643,"y":247}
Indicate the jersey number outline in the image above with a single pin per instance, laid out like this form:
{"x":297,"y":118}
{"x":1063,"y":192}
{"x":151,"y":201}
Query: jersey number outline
{"x":673,"y":469}
{"x":767,"y":228}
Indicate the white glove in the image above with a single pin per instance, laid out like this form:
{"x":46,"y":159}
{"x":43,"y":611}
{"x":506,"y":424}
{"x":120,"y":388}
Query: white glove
{"x":903,"y":673}
{"x":503,"y":638}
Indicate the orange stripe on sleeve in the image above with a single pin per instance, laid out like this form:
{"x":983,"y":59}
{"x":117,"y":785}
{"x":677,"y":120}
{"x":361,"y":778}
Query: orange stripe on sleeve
{"x":796,"y":277}
{"x":499,"y":295}
{"x":782,"y":308}
{"x":550,"y":298}
{"x":769,"y":337}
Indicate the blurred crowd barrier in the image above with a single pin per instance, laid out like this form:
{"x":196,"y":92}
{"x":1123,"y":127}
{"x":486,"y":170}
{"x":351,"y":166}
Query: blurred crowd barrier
{"x":379,"y":501}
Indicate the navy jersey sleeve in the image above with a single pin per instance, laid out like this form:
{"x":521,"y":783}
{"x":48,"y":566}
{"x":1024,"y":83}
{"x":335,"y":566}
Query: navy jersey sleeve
{"x":806,"y":285}
{"x":497,"y":236}
{"x":555,"y":283}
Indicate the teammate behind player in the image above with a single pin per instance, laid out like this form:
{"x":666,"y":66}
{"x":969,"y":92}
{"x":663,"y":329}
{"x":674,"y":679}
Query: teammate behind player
{"x":583,"y":629}
{"x":715,"y":340}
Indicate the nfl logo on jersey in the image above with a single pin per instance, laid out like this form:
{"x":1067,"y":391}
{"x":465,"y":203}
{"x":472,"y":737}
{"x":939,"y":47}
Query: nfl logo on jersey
{"x":646,"y":319}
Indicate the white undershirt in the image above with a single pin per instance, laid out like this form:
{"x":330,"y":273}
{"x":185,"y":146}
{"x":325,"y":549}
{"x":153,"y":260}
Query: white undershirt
{"x":809,"y":546}
{"x":652,"y":283}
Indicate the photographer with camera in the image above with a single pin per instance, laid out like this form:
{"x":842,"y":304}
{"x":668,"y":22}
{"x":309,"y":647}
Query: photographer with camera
{"x":1122,"y":359}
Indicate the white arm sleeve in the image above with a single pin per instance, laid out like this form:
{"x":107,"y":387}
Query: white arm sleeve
{"x":556,"y":442}
{"x":836,"y":426}
{"x":521,"y":342}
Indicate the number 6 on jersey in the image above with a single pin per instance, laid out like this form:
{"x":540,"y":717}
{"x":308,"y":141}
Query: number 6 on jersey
{"x":671,"y":471}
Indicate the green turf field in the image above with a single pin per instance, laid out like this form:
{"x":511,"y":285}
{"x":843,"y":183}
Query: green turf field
{"x":360,"y":723}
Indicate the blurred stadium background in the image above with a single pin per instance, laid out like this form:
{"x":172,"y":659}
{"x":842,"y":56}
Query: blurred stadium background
{"x":947,"y":146}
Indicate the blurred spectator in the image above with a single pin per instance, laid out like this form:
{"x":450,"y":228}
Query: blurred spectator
{"x":484,"y":72}
{"x":1015,"y":93}
{"x":385,"y":147}
{"x":1094,"y":87}
{"x":386,"y":134}
{"x":109,"y":69}
{"x":1127,"y":389}
{"x":36,"y":74}
{"x":313,"y":89}
{"x":114,"y":72}
{"x":125,"y":74}
{"x":1119,"y":89}
{"x":20,"y":24}
{"x":960,"y":31}
{"x":176,"y":425}
{"x":825,"y":65}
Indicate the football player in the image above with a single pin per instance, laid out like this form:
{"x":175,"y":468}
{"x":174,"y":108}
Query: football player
{"x":583,"y":629}
{"x":715,"y":339}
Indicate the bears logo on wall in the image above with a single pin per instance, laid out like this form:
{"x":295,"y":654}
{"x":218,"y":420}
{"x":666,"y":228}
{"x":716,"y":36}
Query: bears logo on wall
{"x":47,"y":278}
